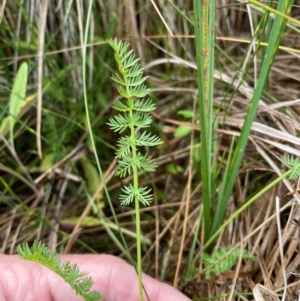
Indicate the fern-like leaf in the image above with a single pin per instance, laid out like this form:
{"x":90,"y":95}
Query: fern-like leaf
{"x":145,"y":162}
{"x":144,"y":195}
{"x":138,"y":92}
{"x":147,"y":139}
{"x":118,"y":79}
{"x":294,"y":164}
{"x":142,"y":120}
{"x":119,"y":123}
{"x":139,"y":106}
{"x":217,"y":266}
{"x":135,"y":116}
{"x":135,"y":79}
{"x":127,"y":196}
{"x":144,"y":106}
{"x":129,"y":193}
{"x":134,"y":70}
{"x":128,"y":60}
{"x":120,"y":106}
{"x":125,"y":143}
{"x":124,"y":147}
{"x":71,"y":274}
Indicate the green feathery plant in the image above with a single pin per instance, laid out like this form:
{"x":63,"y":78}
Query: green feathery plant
{"x":134,"y":116}
{"x":294,"y":165}
{"x":70,"y":273}
{"x":220,"y":261}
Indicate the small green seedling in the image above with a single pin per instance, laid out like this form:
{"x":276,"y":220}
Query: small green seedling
{"x":223,"y":259}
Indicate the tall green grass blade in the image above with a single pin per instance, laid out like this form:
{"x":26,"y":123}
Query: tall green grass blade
{"x":284,"y":7}
{"x":277,"y":12}
{"x":261,"y":8}
{"x":16,"y":98}
{"x":204,"y":29}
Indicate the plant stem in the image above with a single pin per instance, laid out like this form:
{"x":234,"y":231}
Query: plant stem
{"x":138,"y":246}
{"x":137,"y":211}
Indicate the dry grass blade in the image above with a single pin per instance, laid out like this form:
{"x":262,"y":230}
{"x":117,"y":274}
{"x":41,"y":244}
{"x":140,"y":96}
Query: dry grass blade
{"x":40,"y":56}
{"x":259,"y":291}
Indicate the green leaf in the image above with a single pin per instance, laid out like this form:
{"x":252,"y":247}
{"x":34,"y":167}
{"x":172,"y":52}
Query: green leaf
{"x":25,"y":106}
{"x":138,"y":105}
{"x":120,"y":106}
{"x":17,"y":97}
{"x":135,"y":71}
{"x":216,"y":264}
{"x":119,"y":123}
{"x":144,"y":106}
{"x":294,"y":164}
{"x":182,"y":131}
{"x":124,"y":146}
{"x":135,"y":79}
{"x":174,"y":169}
{"x":125,"y":143}
{"x":91,"y":174}
{"x":144,"y":162}
{"x":125,"y":166}
{"x":141,"y":162}
{"x":47,"y":162}
{"x":147,"y":139}
{"x":27,"y":46}
{"x":143,"y":194}
{"x":127,"y":196}
{"x":186,"y":114}
{"x":131,"y":62}
{"x":131,"y":92}
{"x":117,"y":78}
{"x":142,"y":120}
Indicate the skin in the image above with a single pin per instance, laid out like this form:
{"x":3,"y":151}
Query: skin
{"x":114,"y":278}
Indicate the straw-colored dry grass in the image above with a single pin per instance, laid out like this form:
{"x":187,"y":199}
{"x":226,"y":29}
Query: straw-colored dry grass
{"x":51,"y":204}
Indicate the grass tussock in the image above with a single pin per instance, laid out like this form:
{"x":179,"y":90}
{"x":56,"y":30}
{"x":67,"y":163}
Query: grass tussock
{"x":53,"y":191}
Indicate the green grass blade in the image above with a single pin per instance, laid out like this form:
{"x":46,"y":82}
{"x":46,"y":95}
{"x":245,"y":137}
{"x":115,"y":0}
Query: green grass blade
{"x":16,"y":97}
{"x":274,"y":41}
{"x":204,"y":30}
{"x":277,"y":12}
